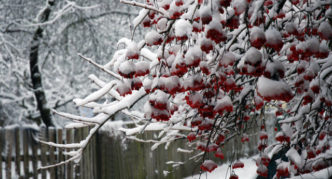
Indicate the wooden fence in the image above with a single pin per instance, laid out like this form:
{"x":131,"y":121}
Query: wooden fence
{"x":105,"y":157}
{"x":21,"y":154}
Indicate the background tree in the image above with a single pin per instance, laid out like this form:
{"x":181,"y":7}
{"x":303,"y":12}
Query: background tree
{"x":48,"y":35}
{"x":206,"y":68}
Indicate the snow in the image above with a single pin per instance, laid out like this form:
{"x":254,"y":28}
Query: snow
{"x":253,"y":56}
{"x":152,"y":37}
{"x":227,"y":59}
{"x":162,"y":24}
{"x":113,"y":127}
{"x":132,"y":49}
{"x":224,"y":104}
{"x":257,"y":33}
{"x":205,"y":11}
{"x":294,"y":156}
{"x":249,"y":172}
{"x":271,"y":88}
{"x":138,"y":129}
{"x":273,"y":37}
{"x":239,"y":6}
{"x":290,"y":28}
{"x":222,"y":171}
{"x":193,"y":54}
{"x":324,"y":173}
{"x":127,"y":67}
{"x":140,"y":17}
{"x":182,"y":28}
{"x":126,"y":102}
{"x":184,"y":150}
{"x":96,"y":95}
{"x":325,"y":30}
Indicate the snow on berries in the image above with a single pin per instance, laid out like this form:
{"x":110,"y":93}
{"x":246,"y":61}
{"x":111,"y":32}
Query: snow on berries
{"x":206,"y":14}
{"x":274,"y":39}
{"x":257,"y":37}
{"x":270,"y":89}
{"x":127,"y":69}
{"x":214,"y":31}
{"x":183,"y":29}
{"x":153,"y":38}
{"x":325,"y":30}
{"x":132,"y":51}
{"x":123,"y":88}
{"x":224,"y":105}
{"x":191,"y":136}
{"x":219,"y":154}
{"x":142,"y":68}
{"x":206,"y":45}
{"x":194,"y":56}
{"x":237,"y":164}
{"x":227,"y":59}
{"x":262,"y":170}
{"x":209,"y":165}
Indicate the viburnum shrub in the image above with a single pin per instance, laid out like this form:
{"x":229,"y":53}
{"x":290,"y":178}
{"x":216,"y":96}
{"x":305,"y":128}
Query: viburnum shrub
{"x":206,"y":67}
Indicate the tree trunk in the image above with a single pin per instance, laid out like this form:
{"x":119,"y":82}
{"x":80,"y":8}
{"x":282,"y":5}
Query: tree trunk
{"x":45,"y":112}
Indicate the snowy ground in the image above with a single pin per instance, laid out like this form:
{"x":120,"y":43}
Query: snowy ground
{"x":248,"y":172}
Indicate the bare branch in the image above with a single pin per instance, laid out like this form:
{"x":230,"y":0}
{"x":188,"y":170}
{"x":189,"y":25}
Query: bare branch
{"x":101,"y":67}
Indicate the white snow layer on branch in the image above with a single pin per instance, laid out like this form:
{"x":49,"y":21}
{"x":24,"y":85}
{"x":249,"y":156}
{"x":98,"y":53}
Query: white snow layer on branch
{"x":96,"y":95}
{"x":149,"y":127}
{"x":294,"y":156}
{"x":126,"y":102}
{"x":133,"y":3}
{"x":184,"y":150}
{"x":63,"y":11}
{"x":101,"y":84}
{"x":96,"y":119}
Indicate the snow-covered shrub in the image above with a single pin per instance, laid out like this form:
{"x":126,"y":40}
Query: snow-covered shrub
{"x":216,"y":63}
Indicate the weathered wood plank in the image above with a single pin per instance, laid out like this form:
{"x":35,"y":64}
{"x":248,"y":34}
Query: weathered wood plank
{"x":26,"y":154}
{"x":17,"y":152}
{"x":43,"y":152}
{"x":9,"y":143}
{"x":69,"y":166}
{"x":60,"y":154}
{"x":35,"y":159}
{"x":51,"y":159}
{"x":77,"y":138}
{"x":92,"y":157}
{"x":86,"y":170}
